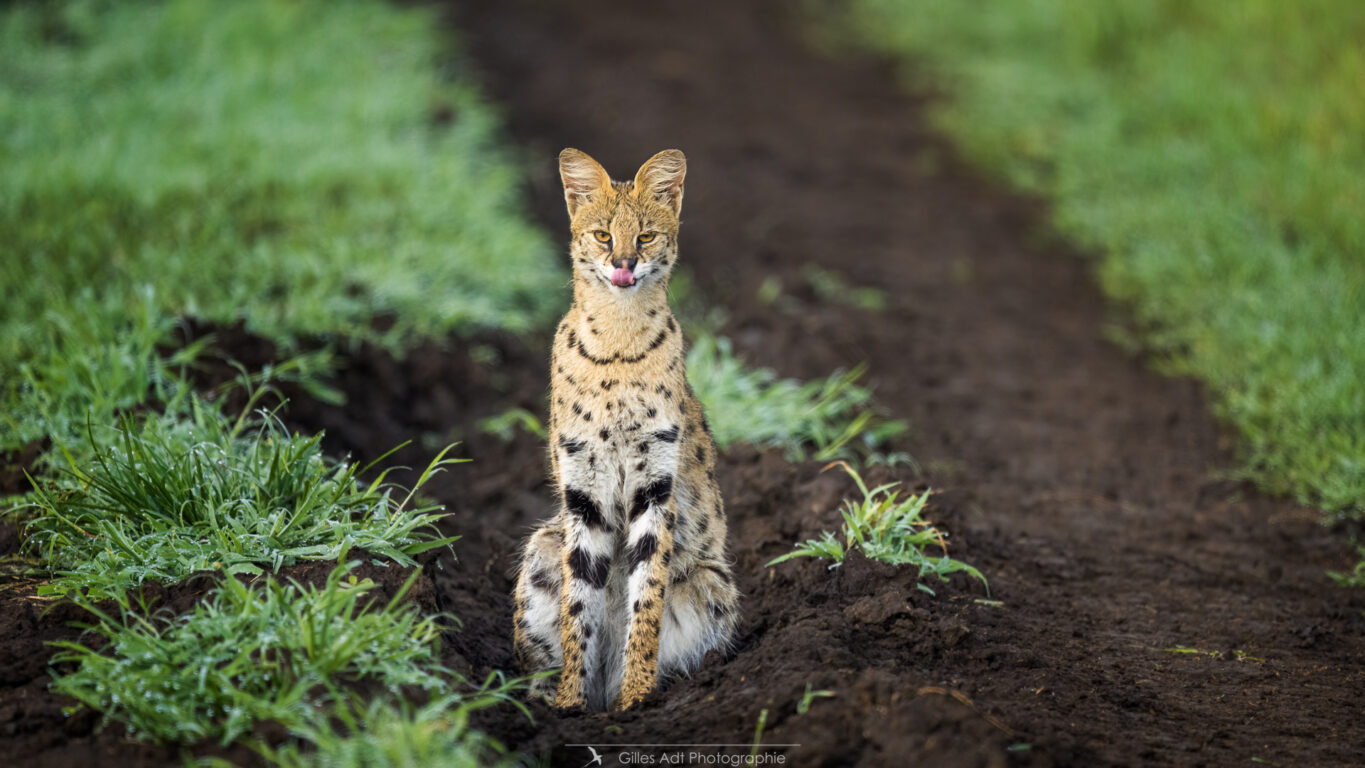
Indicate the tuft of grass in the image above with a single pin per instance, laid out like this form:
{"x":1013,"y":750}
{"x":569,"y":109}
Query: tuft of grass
{"x":809,"y":697}
{"x":834,"y":287}
{"x":384,"y":733}
{"x":269,"y":651}
{"x":828,"y":285}
{"x":303,"y":166}
{"x":1209,"y":152}
{"x":504,"y":425}
{"x":170,"y":494}
{"x":889,"y":529}
{"x":758,"y":734}
{"x":1356,"y":576}
{"x":822,"y":420}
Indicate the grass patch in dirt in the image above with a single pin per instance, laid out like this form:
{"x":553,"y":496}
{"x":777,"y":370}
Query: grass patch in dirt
{"x":385,"y":733}
{"x":1209,"y":152}
{"x":161,"y":497}
{"x":255,"y":653}
{"x":889,"y":529}
{"x":303,"y":166}
{"x":820,"y":420}
{"x":833,"y":287}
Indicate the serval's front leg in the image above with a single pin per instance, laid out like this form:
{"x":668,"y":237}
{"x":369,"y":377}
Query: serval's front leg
{"x":584,"y":567}
{"x":653,"y":517}
{"x":536,"y":638}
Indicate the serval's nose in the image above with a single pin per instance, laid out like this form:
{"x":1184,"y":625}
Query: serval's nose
{"x":628,"y":262}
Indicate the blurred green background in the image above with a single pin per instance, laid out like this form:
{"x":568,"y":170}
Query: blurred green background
{"x":300,"y":166}
{"x":1211,"y":154}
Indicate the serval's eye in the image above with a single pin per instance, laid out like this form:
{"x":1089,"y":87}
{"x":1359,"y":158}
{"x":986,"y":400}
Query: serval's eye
{"x":647,"y":237}
{"x":602,"y":237}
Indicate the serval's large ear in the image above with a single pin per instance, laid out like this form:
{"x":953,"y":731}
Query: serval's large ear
{"x":662,"y":177}
{"x":583,"y":178}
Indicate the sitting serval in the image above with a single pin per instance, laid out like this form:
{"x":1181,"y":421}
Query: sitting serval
{"x":629,"y":581}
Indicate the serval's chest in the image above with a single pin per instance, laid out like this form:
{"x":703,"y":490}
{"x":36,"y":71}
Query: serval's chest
{"x":617,"y":391}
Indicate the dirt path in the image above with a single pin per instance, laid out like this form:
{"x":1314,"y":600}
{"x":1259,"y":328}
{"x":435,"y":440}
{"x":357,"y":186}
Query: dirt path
{"x":1076,"y":478}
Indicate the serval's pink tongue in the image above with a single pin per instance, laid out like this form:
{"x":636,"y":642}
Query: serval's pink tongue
{"x":622,"y":277}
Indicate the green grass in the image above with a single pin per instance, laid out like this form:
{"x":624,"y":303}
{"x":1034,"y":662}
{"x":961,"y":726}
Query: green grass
{"x":1211,"y":154}
{"x":387,"y":734}
{"x":808,"y":698}
{"x":758,"y":734}
{"x":829,"y":286}
{"x":302,"y":166}
{"x":833,"y":287}
{"x":821,"y":420}
{"x":504,"y":425}
{"x":887,"y":528}
{"x":161,"y":497}
{"x":1356,"y":576}
{"x":269,"y":651}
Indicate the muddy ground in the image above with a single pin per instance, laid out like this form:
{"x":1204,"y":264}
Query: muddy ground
{"x":1084,"y":485}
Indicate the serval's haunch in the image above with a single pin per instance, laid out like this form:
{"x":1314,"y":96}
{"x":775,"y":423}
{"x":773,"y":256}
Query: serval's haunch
{"x":629,"y":581}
